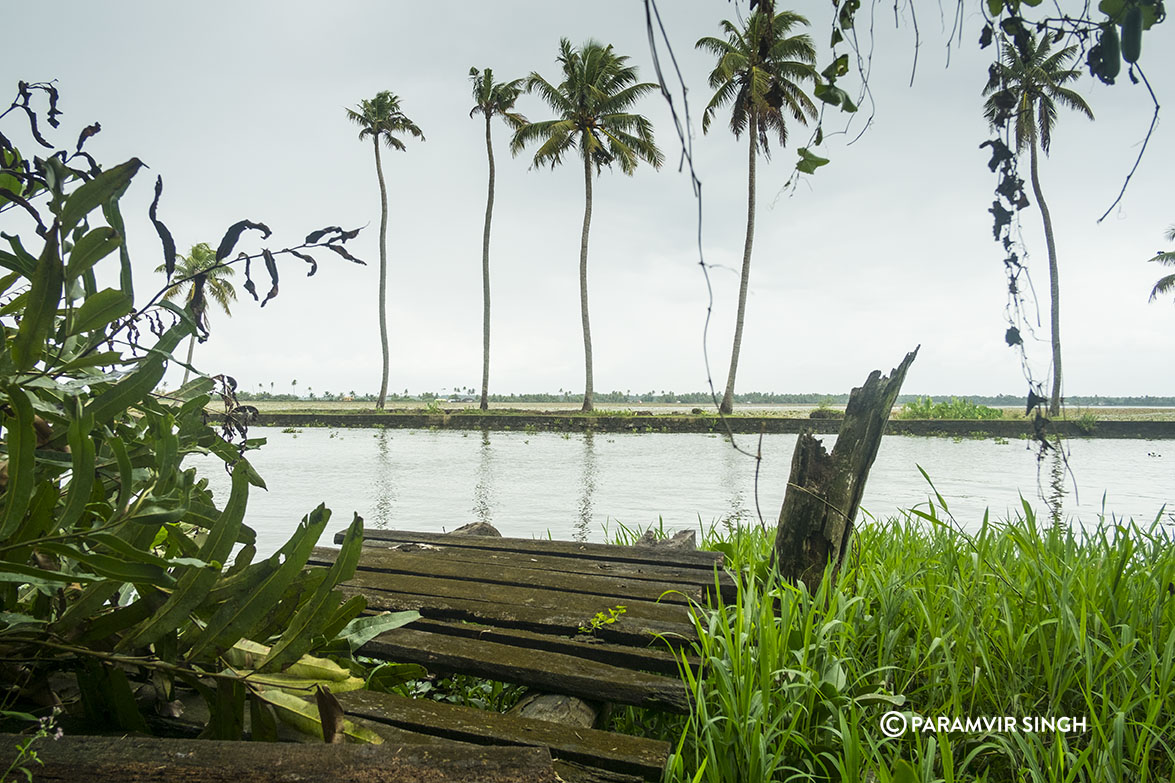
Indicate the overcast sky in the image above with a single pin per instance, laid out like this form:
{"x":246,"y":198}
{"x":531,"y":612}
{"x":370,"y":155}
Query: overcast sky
{"x":241,"y":107}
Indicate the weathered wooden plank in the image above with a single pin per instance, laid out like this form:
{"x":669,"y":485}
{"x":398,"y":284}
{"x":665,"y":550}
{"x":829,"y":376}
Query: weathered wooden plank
{"x":690,"y":558}
{"x":579,"y":604}
{"x":522,"y":570}
{"x":126,"y":759}
{"x":549,"y":672}
{"x":652,"y":657}
{"x":558,"y":620}
{"x":578,"y":773}
{"x":590,"y":747}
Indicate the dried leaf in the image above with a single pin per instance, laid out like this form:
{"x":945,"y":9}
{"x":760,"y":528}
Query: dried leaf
{"x":234,"y":233}
{"x":330,"y":712}
{"x":271,"y":267}
{"x":309,"y":260}
{"x":343,"y":252}
{"x":86,"y":133}
{"x":160,"y":229}
{"x":250,"y":286}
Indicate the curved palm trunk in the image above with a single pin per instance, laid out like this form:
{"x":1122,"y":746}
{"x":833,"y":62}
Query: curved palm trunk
{"x":583,"y":292}
{"x":728,"y":398}
{"x":191,"y":350}
{"x":1054,"y":287}
{"x":485,"y":278}
{"x":383,"y":276}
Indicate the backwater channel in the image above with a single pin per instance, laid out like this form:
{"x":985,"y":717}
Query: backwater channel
{"x":577,"y":485}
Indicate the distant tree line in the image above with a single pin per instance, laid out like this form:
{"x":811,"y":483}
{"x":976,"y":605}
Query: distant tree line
{"x":705,"y":399}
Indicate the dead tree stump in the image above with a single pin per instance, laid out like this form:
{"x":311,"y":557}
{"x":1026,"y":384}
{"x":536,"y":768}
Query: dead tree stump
{"x":824,"y":490}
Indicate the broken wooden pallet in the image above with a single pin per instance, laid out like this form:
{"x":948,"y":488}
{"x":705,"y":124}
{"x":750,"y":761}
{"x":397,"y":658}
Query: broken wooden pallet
{"x":595,"y":621}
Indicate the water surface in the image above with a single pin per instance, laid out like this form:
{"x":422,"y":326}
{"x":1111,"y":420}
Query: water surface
{"x":571,"y":485}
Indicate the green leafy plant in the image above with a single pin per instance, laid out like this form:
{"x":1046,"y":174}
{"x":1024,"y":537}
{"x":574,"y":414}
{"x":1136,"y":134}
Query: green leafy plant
{"x":117,"y":564}
{"x":955,"y":408}
{"x":603,"y":619}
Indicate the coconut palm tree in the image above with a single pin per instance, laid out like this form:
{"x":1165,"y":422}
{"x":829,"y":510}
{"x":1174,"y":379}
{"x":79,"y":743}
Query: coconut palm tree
{"x":761,"y":68}
{"x":217,"y":286}
{"x":592,"y":106}
{"x":491,"y":99}
{"x":1166,"y":284}
{"x":380,"y":119}
{"x":1025,"y":88}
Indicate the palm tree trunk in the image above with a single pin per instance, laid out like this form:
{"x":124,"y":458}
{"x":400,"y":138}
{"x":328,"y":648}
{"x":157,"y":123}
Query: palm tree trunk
{"x":728,"y":398}
{"x":383,"y":275}
{"x":485,"y":278}
{"x":1054,"y":287}
{"x":583,"y":292}
{"x":191,"y":349}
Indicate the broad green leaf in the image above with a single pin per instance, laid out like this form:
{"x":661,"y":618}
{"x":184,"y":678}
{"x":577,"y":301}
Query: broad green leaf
{"x":303,"y":716}
{"x":107,"y":697}
{"x":388,"y":676}
{"x":995,"y":7}
{"x":19,"y":260}
{"x":138,"y":384}
{"x":195,"y":583}
{"x":344,"y":614}
{"x":362,"y":630}
{"x":43,"y":297}
{"x":100,"y":309}
{"x":110,"y":567}
{"x":240,"y":614}
{"x":262,"y":720}
{"x":99,"y":191}
{"x":90,"y":249}
{"x":81,"y":482}
{"x":23,"y":574}
{"x":22,"y":445}
{"x":296,"y":639}
{"x":808,"y":162}
{"x":227,"y":721}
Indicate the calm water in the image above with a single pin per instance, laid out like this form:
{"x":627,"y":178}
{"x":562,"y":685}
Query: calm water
{"x":570,"y":486}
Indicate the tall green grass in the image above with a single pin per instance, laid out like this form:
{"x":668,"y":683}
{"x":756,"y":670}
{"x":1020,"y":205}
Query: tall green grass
{"x":1010,"y":620}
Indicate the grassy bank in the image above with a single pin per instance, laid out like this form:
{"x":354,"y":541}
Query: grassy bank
{"x":927,"y":621}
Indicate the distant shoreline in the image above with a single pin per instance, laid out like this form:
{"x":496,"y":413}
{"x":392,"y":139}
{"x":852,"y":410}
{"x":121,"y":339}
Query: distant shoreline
{"x":1129,"y":423}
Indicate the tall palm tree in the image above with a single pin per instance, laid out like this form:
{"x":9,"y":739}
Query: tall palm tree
{"x":760,"y":71}
{"x":1025,"y":88}
{"x":491,"y":99}
{"x":217,"y":286}
{"x":380,"y":119}
{"x":591,"y":105}
{"x":1166,"y":284}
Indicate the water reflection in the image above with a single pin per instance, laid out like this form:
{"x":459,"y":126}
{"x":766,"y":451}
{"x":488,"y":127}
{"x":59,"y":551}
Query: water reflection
{"x":587,"y":485}
{"x":1054,"y":496}
{"x":734,"y":481}
{"x":385,"y":488}
{"x":483,"y":493}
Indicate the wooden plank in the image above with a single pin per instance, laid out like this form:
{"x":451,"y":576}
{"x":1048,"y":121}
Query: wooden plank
{"x":578,"y":773}
{"x":590,"y":747}
{"x":130,"y":759}
{"x":541,"y":619}
{"x":683,"y":558}
{"x":578,"y":604}
{"x":519,"y":570}
{"x":653,"y":657}
{"x":549,"y":672}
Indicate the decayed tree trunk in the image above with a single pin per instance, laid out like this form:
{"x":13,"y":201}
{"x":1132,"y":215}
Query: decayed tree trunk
{"x":824,"y":490}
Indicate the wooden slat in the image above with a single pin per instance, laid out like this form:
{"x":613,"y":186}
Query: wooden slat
{"x":590,"y":747}
{"x":570,"y":603}
{"x":549,"y":672}
{"x":130,"y":759}
{"x":542,"y":619}
{"x":653,"y":657}
{"x":519,"y":570}
{"x":685,"y":558}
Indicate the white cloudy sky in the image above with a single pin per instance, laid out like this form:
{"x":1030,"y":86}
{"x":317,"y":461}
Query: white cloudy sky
{"x":240,"y":106}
